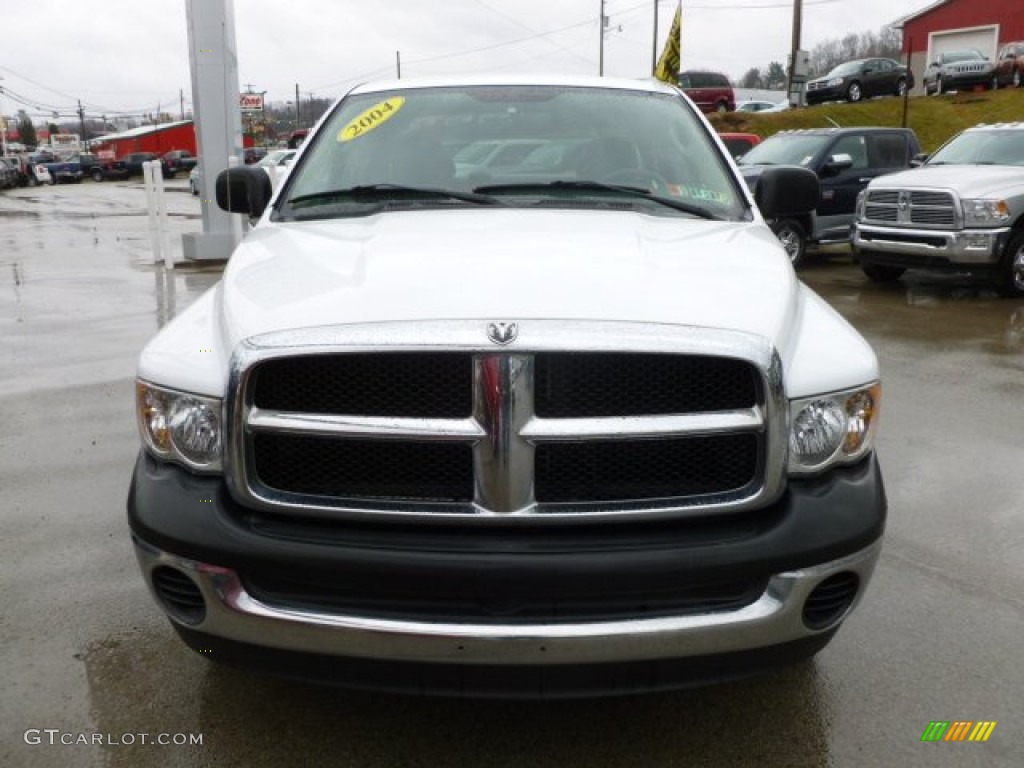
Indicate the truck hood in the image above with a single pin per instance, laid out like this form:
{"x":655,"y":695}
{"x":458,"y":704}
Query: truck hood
{"x":509,"y":265}
{"x":967,"y":180}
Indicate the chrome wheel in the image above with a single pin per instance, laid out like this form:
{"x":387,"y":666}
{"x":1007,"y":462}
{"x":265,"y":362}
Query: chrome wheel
{"x":853,"y":93}
{"x":1016,"y":78}
{"x":901,"y":87}
{"x":793,"y":240}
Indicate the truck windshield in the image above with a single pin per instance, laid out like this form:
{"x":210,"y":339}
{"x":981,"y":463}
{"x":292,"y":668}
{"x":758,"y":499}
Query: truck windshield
{"x":520,"y":145}
{"x":990,"y":147}
{"x":785,"y":150}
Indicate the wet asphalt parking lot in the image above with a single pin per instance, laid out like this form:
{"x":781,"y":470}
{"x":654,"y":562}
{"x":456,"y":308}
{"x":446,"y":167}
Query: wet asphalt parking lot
{"x":85,"y":652}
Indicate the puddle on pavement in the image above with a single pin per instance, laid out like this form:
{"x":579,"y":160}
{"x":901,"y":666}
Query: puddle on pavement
{"x":149,"y":682}
{"x":930,"y":310}
{"x":145,"y":682}
{"x":8,"y":214}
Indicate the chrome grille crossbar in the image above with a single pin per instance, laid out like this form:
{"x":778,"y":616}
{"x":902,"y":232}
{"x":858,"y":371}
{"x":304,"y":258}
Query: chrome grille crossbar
{"x":377,"y":427}
{"x":639,"y":427}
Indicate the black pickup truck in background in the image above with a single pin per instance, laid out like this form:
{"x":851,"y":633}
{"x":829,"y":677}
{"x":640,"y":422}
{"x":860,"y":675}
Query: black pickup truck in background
{"x":101,"y":168}
{"x":63,"y":169}
{"x":177,"y":160}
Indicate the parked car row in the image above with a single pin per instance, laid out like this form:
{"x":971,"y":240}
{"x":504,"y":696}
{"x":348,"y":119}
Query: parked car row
{"x":861,"y":79}
{"x":46,"y":167}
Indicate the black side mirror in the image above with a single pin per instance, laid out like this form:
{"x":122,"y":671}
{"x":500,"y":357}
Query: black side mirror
{"x":919,"y":159}
{"x":244,"y":190}
{"x":787,"y":191}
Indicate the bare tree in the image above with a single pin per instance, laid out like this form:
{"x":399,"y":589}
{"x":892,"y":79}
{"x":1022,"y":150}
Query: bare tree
{"x":752,"y":79}
{"x":887,"y":43}
{"x":775,"y":79}
{"x":26,"y":130}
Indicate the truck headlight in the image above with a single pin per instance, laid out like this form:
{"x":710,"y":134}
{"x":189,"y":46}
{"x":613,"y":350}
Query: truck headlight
{"x":179,"y":426}
{"x":986,"y":213}
{"x":838,"y":428}
{"x":862,"y":197}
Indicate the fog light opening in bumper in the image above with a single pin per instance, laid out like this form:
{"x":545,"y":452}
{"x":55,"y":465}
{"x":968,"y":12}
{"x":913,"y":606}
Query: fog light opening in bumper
{"x":179,"y":595}
{"x":831,"y":600}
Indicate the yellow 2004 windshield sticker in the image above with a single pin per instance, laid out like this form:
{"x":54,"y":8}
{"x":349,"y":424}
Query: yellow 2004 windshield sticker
{"x":379,"y":113}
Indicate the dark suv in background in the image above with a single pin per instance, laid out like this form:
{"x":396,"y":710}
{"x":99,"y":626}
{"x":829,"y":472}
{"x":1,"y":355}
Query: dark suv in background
{"x":958,"y":69}
{"x":710,"y":91}
{"x":845,"y":160}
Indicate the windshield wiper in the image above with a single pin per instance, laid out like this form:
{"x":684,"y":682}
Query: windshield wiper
{"x":379,"y":192}
{"x":597,"y":186}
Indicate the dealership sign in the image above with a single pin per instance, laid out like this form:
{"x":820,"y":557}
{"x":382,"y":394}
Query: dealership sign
{"x":250,"y":102}
{"x":70,"y":142}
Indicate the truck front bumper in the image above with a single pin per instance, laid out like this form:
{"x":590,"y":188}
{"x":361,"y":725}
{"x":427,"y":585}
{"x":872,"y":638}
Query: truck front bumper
{"x":904,"y":247}
{"x":200,"y":554}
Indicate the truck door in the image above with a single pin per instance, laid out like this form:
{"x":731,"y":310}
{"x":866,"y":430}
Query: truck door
{"x":839,"y":188}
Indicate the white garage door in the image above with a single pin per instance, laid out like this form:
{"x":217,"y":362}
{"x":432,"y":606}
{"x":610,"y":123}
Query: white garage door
{"x":981,"y":39}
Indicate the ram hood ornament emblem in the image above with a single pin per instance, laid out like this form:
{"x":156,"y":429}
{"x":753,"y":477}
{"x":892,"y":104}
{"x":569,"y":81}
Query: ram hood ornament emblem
{"x":502,"y":333}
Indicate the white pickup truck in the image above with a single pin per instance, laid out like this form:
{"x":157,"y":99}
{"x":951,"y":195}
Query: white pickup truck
{"x":570,"y":426}
{"x":961,"y":211}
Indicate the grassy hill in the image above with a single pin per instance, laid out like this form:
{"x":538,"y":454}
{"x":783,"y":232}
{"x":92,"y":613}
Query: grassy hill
{"x":933,"y":118}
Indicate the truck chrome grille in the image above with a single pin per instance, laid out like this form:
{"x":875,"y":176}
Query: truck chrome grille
{"x":921,"y":208}
{"x":588,"y":385}
{"x":390,"y":384}
{"x":369,"y":469}
{"x":624,"y":470}
{"x":651,"y":425}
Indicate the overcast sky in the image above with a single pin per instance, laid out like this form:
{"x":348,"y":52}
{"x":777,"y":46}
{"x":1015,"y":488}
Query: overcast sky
{"x":129,"y":56}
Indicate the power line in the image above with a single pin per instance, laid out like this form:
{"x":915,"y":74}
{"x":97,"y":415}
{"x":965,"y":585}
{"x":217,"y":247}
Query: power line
{"x":518,"y":23}
{"x":482,"y":49}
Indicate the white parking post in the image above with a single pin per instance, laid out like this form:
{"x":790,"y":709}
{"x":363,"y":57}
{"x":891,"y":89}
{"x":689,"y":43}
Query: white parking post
{"x":161,"y":211}
{"x":154,"y":235}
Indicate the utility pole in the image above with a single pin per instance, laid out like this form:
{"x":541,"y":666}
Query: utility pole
{"x":181,"y":101}
{"x":797,"y":19}
{"x":3,"y":127}
{"x":654,"y":45}
{"x":398,"y":63}
{"x":298,"y":108}
{"x":600,"y":32}
{"x":81,"y":124}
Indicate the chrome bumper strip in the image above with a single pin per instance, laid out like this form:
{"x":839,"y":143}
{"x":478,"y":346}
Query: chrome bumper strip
{"x":774,"y":618}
